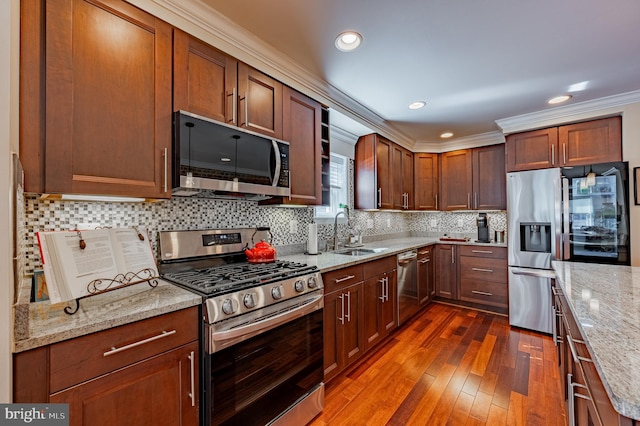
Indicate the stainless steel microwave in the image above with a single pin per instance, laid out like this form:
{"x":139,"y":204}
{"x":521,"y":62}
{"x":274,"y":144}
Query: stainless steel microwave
{"x":215,"y":160}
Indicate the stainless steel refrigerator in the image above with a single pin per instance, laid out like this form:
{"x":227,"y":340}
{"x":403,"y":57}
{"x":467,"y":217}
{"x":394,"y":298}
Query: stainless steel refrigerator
{"x":574,"y":214}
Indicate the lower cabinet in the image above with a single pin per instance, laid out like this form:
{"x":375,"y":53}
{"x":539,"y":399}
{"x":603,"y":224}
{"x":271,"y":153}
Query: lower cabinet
{"x":587,"y":401}
{"x":446,"y":272}
{"x":483,"y":276}
{"x":343,"y":335}
{"x":426,"y":277}
{"x":144,"y":373}
{"x":380,"y":300}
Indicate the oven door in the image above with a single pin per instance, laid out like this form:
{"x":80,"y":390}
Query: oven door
{"x":259,"y":375}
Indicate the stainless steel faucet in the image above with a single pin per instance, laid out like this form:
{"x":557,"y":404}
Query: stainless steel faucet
{"x":336,"y":241}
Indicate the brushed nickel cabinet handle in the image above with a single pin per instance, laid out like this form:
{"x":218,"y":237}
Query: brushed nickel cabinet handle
{"x":234,"y":105}
{"x":482,"y":251}
{"x":382,"y":282}
{"x":475,"y":198}
{"x":574,"y":353}
{"x":468,"y":200}
{"x":424,"y":252}
{"x":553,"y":155}
{"x":453,"y":254}
{"x":482,"y":270}
{"x":115,"y":350}
{"x":436,"y":201}
{"x":424,"y":260}
{"x":341,"y":317}
{"x":483,"y":293}
{"x":192,"y":394}
{"x":348,"y":277}
{"x":348,"y":315}
{"x":379,"y":197}
{"x":564,"y":153}
{"x":166,"y":169}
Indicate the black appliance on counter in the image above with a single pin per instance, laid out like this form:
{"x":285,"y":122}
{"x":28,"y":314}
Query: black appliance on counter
{"x":483,"y":228}
{"x":262,"y":337}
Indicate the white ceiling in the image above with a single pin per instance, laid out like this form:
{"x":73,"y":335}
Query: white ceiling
{"x":472,"y":61}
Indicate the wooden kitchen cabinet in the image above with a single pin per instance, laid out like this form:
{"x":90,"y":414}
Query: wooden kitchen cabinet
{"x":585,"y":394}
{"x":380,"y":306}
{"x":473,"y":179}
{"x":426,"y":177}
{"x":426,"y":275}
{"x":343,"y":312}
{"x":144,"y":373}
{"x":579,"y":144}
{"x":383,"y":174}
{"x":483,"y":276}
{"x":213,"y":84}
{"x":446,"y":271}
{"x":303,"y":131}
{"x":106,"y":123}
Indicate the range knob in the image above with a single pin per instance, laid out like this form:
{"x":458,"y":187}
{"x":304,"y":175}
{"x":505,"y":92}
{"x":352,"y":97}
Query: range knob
{"x":311,"y":282}
{"x":299,"y":286}
{"x":249,"y":300}
{"x":229,"y":306}
{"x":276,"y":292}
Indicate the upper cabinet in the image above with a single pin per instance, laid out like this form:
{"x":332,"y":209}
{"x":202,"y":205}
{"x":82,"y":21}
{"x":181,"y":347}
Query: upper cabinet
{"x":383,"y":174}
{"x":426,"y":173}
{"x":107,"y":103}
{"x":213,"y":84}
{"x":303,"y":130}
{"x":590,"y":142}
{"x":473,"y":179}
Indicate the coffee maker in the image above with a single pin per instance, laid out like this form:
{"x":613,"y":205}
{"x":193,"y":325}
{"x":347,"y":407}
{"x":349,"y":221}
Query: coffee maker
{"x":483,"y":228}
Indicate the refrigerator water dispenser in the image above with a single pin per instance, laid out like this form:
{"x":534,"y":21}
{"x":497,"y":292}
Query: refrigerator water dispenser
{"x":536,"y":237}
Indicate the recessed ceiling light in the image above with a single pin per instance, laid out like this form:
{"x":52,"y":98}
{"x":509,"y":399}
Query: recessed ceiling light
{"x":446,"y":135}
{"x":417,"y":105}
{"x":348,"y":41}
{"x":559,"y":99}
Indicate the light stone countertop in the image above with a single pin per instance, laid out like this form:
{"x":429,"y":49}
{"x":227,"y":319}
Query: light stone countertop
{"x":46,"y":323}
{"x":605,"y":300}
{"x":39,"y":324}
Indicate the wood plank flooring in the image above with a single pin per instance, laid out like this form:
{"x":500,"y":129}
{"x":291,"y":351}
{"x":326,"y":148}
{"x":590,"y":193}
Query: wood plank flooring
{"x":451,"y":366}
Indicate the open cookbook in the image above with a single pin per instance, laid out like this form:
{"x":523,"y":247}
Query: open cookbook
{"x":81,"y":263}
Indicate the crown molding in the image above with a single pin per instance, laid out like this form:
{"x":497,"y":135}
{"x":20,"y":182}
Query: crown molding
{"x":474,"y":141}
{"x":578,"y":111}
{"x":339,"y":134}
{"x":207,"y":24}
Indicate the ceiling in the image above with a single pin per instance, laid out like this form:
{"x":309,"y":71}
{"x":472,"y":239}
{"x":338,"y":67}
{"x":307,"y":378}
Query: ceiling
{"x":473,"y":62}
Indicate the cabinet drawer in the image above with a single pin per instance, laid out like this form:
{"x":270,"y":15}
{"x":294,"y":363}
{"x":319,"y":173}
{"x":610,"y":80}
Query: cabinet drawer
{"x":377,"y":267}
{"x":485,"y":292}
{"x":425,"y":251}
{"x":77,"y":360}
{"x":484,"y":251}
{"x":474,"y":268}
{"x":341,"y":278}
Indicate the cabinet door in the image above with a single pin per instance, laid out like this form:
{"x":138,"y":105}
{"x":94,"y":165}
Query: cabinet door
{"x":162,"y":390}
{"x":352,"y":336}
{"x":407,"y":179}
{"x":259,"y":102}
{"x":426,"y":289}
{"x":379,"y":308}
{"x":384,"y":166}
{"x":532,"y":150}
{"x":397,"y":177}
{"x":456,"y":182}
{"x":591,"y":142}
{"x":302,"y":129}
{"x":108,"y":99}
{"x":426,"y":181}
{"x":446,"y":271}
{"x":204,"y":79}
{"x":489,"y":178}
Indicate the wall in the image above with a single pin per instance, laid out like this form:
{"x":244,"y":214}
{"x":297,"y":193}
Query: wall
{"x":9,"y":19}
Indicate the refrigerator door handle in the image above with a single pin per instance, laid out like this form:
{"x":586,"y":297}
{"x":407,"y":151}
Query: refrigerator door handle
{"x":566,"y":230}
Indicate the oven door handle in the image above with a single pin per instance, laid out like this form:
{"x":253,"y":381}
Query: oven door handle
{"x":224,"y":338}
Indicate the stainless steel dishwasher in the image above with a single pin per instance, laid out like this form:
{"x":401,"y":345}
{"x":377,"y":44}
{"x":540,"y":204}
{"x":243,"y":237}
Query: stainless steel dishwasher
{"x":408,"y":303}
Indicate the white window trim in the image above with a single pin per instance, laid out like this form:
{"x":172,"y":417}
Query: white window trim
{"x":326,"y":218}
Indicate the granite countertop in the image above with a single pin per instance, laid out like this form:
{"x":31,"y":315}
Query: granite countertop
{"x":43,"y":323}
{"x":605,"y":300}
{"x":329,"y":261}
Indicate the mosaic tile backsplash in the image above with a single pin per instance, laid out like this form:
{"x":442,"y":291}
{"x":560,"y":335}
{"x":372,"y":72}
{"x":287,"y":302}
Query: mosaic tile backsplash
{"x":187,"y":213}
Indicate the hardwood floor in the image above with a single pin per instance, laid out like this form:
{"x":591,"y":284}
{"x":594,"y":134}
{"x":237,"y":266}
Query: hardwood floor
{"x":451,"y":366}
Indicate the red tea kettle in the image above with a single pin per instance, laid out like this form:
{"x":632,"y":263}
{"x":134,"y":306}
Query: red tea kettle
{"x":262,"y":252}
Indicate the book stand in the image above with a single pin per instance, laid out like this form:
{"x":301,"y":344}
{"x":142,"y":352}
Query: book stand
{"x":103,"y":285}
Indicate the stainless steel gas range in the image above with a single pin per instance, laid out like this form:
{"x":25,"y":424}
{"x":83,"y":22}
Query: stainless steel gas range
{"x":262,"y":338}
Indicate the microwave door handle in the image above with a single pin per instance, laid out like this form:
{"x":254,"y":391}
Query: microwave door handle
{"x":276,"y":173}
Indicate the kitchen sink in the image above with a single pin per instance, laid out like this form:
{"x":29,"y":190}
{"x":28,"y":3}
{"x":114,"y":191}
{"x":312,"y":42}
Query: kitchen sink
{"x":359,"y":251}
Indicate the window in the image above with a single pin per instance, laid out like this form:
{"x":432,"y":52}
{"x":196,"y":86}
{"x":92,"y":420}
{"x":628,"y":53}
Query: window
{"x":339,"y":183}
